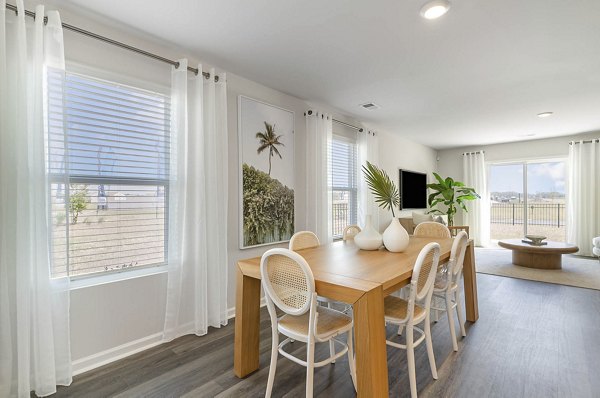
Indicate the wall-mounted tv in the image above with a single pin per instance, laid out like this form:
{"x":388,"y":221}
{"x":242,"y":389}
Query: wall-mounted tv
{"x":413,"y":190}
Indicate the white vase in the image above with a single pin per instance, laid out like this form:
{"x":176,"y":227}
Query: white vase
{"x":395,"y":237}
{"x":368,"y":238}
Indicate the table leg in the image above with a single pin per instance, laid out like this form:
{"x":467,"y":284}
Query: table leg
{"x":470,"y":277}
{"x":247,"y":325}
{"x":371,"y":355}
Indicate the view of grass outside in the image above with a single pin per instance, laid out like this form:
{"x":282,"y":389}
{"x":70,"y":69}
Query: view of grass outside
{"x":544,"y":212}
{"x":124,"y":228}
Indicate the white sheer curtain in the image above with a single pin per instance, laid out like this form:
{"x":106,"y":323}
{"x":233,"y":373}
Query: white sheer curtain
{"x":478,"y":216}
{"x":368,"y":150}
{"x":583,"y":202}
{"x":318,"y":196}
{"x":197,"y":281}
{"x":34,"y":309}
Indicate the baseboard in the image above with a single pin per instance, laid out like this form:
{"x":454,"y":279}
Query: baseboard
{"x":114,"y":354}
{"x":231,"y":311}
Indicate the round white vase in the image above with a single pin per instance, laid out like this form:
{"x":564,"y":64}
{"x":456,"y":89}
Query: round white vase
{"x":368,"y":238}
{"x":395,"y":237}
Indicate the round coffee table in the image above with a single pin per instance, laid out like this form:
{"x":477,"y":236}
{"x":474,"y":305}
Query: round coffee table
{"x":548,"y":256}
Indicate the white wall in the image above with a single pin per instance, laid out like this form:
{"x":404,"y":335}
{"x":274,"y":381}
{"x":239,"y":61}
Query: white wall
{"x":450,"y":163}
{"x":396,"y":152}
{"x":239,"y":86}
{"x":114,"y":319}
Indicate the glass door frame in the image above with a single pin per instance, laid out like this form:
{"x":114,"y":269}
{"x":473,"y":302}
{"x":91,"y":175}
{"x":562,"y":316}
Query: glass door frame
{"x":524,"y":163}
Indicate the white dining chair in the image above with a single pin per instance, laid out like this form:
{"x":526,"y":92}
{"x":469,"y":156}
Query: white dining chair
{"x":350,"y":232}
{"x":304,"y":240}
{"x":289,"y":285}
{"x":432,"y":229}
{"x":446,"y":289}
{"x":415,"y":310}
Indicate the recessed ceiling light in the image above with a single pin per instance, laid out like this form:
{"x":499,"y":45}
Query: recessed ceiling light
{"x":545,"y":114}
{"x":435,"y":9}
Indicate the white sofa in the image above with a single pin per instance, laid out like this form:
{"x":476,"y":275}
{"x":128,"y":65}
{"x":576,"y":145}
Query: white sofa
{"x":596,"y":249}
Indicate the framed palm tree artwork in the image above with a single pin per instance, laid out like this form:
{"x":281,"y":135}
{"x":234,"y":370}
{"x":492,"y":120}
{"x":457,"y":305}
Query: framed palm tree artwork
{"x":266,"y":140}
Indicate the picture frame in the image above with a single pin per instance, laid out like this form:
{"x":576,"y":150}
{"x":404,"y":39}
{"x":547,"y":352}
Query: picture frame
{"x":266,"y":173}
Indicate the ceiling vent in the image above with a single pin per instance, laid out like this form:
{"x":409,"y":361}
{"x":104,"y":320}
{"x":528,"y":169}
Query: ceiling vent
{"x":370,"y":106}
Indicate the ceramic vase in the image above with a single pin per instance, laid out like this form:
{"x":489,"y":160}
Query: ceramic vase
{"x":368,"y":238}
{"x":395,"y":237}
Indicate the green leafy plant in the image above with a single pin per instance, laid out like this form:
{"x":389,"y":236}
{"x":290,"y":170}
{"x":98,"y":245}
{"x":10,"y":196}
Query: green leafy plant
{"x":385,"y":191}
{"x":452,"y":194}
{"x":268,"y":208}
{"x":78,"y":201}
{"x":270,"y":140}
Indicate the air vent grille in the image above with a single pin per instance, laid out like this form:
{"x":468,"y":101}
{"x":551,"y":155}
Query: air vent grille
{"x":370,"y":106}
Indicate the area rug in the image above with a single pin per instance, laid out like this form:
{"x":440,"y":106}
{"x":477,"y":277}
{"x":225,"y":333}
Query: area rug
{"x":576,"y":270}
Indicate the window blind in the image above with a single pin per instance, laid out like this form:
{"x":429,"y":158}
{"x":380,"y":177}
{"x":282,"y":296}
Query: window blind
{"x":343,"y":183}
{"x":108,"y":151}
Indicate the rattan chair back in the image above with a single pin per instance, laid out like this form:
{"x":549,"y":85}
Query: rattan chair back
{"x":350,"y":232}
{"x":287,"y":280}
{"x":432,"y":229}
{"x":303,"y":240}
{"x":424,"y":272}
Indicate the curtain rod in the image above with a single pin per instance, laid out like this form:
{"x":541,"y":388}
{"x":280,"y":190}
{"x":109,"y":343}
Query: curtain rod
{"x":472,"y":153}
{"x":584,"y":142}
{"x":114,"y":42}
{"x":360,"y":129}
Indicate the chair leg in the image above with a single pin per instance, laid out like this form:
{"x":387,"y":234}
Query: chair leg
{"x":400,"y":329}
{"x":331,"y":349}
{"x":310,"y":367}
{"x":451,"y":321}
{"x":273,"y":365}
{"x":461,"y":318}
{"x":410,"y":356}
{"x":429,"y":345}
{"x":331,"y":343}
{"x":351,"y":359}
{"x":436,"y":316}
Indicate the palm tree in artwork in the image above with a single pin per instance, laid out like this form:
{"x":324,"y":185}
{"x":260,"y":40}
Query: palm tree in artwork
{"x":268,"y":139}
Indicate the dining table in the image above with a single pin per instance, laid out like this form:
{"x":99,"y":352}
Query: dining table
{"x":347,"y":274}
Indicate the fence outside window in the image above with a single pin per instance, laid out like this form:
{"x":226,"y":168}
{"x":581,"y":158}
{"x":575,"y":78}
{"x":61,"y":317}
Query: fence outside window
{"x":551,"y":214}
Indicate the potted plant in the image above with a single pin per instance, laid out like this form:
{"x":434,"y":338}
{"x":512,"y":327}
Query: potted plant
{"x":395,"y":237}
{"x":452,"y":194}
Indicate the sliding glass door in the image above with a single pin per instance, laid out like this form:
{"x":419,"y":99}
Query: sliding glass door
{"x":546,"y":206}
{"x":528,"y":198}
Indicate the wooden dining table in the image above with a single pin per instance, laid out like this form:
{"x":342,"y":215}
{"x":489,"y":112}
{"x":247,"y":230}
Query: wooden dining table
{"x":362,"y":278}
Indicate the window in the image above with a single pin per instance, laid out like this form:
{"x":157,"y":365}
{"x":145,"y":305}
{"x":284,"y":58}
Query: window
{"x":108,"y":166}
{"x":343,"y":183}
{"x":528,"y":198}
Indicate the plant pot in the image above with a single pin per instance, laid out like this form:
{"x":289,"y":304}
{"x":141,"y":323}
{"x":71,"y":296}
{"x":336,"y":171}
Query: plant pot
{"x":395,"y":237}
{"x":368,"y":238}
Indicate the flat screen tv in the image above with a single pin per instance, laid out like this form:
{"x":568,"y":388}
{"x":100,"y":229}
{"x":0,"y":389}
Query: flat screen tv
{"x":413,"y":190}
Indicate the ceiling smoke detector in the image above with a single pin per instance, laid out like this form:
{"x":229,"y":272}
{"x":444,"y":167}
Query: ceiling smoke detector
{"x":370,"y":106}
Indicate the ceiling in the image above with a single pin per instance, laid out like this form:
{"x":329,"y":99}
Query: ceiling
{"x":478,"y":75}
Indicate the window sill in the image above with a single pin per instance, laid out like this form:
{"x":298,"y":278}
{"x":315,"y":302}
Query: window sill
{"x":116,"y":277}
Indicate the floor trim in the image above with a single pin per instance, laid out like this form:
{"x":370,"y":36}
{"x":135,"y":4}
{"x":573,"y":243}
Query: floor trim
{"x":102,"y":358}
{"x":113,"y":354}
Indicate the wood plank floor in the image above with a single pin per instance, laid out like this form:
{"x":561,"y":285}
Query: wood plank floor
{"x":532,"y":340}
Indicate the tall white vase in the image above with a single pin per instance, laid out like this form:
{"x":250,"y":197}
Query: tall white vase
{"x":368,"y":238}
{"x":395,"y":237}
